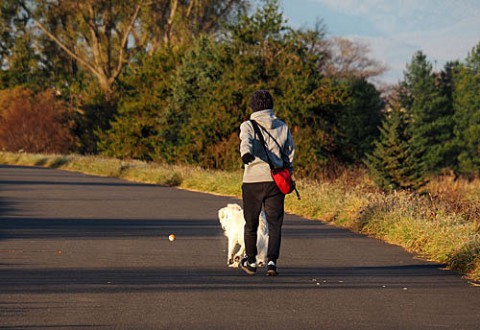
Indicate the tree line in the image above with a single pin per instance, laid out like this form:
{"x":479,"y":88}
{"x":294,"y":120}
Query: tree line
{"x":432,"y":125}
{"x":169,"y":81}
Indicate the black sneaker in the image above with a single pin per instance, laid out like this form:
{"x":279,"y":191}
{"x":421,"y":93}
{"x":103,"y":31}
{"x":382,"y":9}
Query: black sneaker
{"x":272,"y":269}
{"x":248,"y":268}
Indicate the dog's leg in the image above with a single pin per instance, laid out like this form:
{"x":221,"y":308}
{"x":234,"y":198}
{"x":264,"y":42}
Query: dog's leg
{"x":262,"y":247}
{"x":262,"y":241}
{"x":231,"y":246}
{"x":240,"y":253}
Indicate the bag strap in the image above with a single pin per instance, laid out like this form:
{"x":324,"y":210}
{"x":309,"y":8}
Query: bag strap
{"x":262,"y":141}
{"x":268,"y":133}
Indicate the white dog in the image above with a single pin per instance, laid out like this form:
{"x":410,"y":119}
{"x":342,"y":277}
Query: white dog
{"x":233,"y":224}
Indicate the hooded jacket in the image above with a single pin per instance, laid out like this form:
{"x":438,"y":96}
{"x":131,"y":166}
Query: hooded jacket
{"x":259,"y":170}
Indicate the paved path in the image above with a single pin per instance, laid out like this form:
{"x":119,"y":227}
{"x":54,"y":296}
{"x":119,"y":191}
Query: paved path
{"x":80,"y":252}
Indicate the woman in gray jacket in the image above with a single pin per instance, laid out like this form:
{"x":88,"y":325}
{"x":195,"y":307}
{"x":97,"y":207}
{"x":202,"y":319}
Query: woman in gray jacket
{"x":258,"y":188}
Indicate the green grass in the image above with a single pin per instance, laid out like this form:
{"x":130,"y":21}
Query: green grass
{"x":443,"y":226}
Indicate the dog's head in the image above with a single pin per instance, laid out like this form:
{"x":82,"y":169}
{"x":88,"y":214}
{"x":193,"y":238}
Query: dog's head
{"x":225,"y":214}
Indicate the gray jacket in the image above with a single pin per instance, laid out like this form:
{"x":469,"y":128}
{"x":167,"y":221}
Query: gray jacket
{"x":259,"y":170}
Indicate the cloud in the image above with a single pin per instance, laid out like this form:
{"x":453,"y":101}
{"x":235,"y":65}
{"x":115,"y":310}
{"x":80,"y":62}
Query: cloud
{"x":392,"y":53}
{"x":404,"y":8}
{"x":447,"y":44}
{"x":444,"y":30}
{"x":407,"y":15}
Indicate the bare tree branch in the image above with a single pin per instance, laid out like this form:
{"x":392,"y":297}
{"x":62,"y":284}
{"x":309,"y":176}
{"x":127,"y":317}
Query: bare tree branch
{"x":351,"y":58}
{"x":168,"y":28}
{"x":123,"y":45}
{"x":190,"y":7}
{"x":95,"y":44}
{"x":61,"y":45}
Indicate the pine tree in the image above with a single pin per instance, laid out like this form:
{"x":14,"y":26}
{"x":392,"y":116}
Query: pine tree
{"x":431,"y":117}
{"x":358,"y":120}
{"x":391,"y":165}
{"x":447,"y":87}
{"x":467,"y":113}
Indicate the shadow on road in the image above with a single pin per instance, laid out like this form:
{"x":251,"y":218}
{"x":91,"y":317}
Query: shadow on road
{"x":45,"y":281}
{"x":58,"y":326}
{"x":6,"y":207}
{"x":78,"y":183}
{"x":32,"y":228}
{"x":42,"y":228}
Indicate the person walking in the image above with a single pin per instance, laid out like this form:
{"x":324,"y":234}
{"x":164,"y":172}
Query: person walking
{"x":258,"y":188}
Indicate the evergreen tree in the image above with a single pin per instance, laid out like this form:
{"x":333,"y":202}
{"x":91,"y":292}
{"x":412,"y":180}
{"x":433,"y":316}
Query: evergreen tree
{"x":358,"y":120}
{"x":467,"y":113}
{"x":431,"y":121}
{"x":446,"y":83}
{"x":392,"y":165}
{"x":203,"y":110}
{"x":138,"y":130}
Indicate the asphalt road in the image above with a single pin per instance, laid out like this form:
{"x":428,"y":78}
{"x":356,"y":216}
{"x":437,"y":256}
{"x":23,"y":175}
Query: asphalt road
{"x":79,"y":252}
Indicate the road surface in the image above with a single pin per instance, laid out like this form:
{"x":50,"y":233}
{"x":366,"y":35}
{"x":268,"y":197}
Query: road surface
{"x":85,"y":252}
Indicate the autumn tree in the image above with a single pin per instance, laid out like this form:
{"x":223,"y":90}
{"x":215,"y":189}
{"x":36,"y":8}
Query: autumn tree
{"x":347,"y":58}
{"x":34,"y":122}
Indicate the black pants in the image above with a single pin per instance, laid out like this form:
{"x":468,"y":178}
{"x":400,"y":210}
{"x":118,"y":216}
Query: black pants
{"x":266,"y":194}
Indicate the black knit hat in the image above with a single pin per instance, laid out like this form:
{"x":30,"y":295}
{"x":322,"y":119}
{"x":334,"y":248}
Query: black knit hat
{"x":261,"y":100}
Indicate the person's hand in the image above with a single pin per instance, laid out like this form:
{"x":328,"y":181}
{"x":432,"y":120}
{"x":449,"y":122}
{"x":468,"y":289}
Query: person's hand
{"x":248,"y":158}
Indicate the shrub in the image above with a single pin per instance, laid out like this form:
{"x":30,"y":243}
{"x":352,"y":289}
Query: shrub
{"x":34,"y":122}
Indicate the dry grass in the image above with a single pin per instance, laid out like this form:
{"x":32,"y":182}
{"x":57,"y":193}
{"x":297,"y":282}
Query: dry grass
{"x":443,"y":226}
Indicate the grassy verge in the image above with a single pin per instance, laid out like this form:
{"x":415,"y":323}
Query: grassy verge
{"x":444,"y":226}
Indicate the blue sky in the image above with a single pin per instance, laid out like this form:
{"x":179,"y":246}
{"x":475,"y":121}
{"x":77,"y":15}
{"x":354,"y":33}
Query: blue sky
{"x":394,"y":30}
